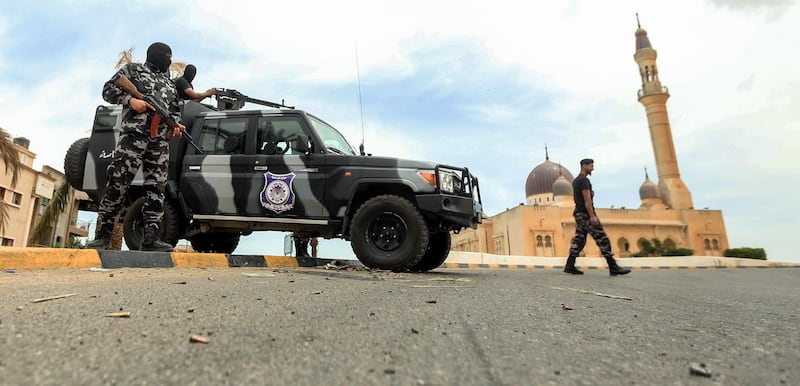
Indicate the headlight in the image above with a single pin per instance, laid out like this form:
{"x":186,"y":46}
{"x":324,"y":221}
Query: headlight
{"x":449,"y":181}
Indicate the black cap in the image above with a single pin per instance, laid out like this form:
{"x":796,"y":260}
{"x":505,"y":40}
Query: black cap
{"x":587,"y":161}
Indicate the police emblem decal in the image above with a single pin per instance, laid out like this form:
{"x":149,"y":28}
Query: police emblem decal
{"x":278,"y":192}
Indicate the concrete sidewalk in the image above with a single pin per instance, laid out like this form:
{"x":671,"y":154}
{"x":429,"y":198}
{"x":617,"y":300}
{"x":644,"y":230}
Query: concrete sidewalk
{"x":12,"y":258}
{"x":458,"y":259}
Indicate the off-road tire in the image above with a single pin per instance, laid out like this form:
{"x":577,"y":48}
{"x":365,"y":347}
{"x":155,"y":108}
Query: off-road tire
{"x":215,"y":242}
{"x":75,"y":161}
{"x":388,"y":232}
{"x":438,"y":249}
{"x":170,"y":230}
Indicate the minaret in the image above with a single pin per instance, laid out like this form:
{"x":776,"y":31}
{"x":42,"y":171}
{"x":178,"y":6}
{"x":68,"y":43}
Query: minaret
{"x":654,"y":97}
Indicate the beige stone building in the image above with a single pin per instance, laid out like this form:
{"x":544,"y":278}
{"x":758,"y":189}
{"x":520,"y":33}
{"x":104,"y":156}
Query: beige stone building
{"x":544,"y":225}
{"x":27,"y":200}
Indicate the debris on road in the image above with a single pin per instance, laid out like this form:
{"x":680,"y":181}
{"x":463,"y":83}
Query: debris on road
{"x":594,"y":293}
{"x":699,"y":370}
{"x":52,"y":298}
{"x":123,"y":314}
{"x":430,"y":301}
{"x":93,"y":269}
{"x":565,"y":307}
{"x":180,"y":282}
{"x":10,"y":271}
{"x":258,"y":275}
{"x":198,"y":339}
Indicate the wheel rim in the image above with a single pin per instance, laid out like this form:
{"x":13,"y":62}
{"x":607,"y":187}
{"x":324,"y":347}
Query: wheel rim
{"x":387,"y":232}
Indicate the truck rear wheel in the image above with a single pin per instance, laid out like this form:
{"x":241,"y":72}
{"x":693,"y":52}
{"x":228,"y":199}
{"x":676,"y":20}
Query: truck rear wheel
{"x":438,"y":249}
{"x":75,"y":161}
{"x":215,"y":242}
{"x":170,"y":230}
{"x":388,"y":232}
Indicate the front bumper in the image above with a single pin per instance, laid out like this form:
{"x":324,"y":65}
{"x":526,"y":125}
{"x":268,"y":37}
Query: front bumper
{"x":458,"y":210}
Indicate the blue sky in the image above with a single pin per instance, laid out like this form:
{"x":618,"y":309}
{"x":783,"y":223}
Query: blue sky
{"x":484,"y":85}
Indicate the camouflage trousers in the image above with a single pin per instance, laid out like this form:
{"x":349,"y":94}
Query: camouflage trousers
{"x":134,"y":150}
{"x":582,"y":228}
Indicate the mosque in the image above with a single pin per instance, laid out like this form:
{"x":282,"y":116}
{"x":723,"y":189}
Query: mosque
{"x":544,"y":225}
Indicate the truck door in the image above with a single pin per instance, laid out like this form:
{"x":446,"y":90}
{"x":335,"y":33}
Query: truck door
{"x":212,"y":182}
{"x":286,"y":183}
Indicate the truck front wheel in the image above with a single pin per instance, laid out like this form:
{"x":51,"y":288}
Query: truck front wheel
{"x":388,"y":232}
{"x":171,"y":228}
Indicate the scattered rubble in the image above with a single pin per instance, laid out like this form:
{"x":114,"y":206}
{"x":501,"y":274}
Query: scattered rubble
{"x":52,"y":298}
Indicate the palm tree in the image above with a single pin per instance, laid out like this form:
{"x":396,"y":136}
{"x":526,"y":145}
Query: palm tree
{"x":52,"y":212}
{"x":10,"y":157}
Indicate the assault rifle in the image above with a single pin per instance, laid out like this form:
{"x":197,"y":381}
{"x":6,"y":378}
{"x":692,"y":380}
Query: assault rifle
{"x":230,"y":99}
{"x":162,"y":112}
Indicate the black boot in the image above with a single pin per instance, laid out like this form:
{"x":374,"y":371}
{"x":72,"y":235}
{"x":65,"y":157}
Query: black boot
{"x":570,"y":266}
{"x":615,"y":269}
{"x":151,"y":241}
{"x":102,"y":238}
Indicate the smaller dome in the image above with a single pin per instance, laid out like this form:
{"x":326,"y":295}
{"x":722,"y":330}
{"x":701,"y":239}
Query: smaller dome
{"x":562,"y":187}
{"x":649,"y":189}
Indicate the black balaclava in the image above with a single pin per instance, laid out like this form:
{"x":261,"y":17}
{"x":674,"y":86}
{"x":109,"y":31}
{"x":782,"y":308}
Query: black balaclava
{"x":189,"y":72}
{"x":159,"y":55}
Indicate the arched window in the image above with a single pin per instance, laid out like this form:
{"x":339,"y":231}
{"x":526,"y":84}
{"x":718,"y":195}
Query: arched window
{"x":624,"y":245}
{"x":539,"y":241}
{"x":715,"y":244}
{"x":548,"y":242}
{"x":669,"y":244}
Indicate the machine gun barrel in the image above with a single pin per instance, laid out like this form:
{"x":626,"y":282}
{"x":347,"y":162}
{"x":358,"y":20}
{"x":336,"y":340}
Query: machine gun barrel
{"x":230,"y":99}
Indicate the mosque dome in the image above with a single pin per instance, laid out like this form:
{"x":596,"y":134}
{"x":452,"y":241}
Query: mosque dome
{"x":649,"y":189}
{"x":642,"y":41}
{"x":562,"y":187}
{"x":541,"y":178}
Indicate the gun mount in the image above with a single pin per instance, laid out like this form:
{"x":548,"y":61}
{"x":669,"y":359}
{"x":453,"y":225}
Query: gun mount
{"x":230,"y":99}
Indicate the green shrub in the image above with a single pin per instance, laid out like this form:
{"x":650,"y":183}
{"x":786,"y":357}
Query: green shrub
{"x":746,"y":253}
{"x":678,"y":252}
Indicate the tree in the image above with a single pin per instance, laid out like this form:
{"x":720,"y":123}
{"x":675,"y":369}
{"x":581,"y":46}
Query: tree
{"x":52,"y":212}
{"x":10,"y":157}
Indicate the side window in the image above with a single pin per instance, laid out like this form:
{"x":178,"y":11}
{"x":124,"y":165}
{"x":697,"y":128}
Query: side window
{"x":224,"y":136}
{"x":278,"y":135}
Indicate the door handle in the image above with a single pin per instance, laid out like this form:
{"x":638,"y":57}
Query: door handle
{"x":194,"y":167}
{"x":261,"y":168}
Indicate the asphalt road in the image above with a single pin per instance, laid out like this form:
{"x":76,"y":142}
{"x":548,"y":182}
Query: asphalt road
{"x":448,"y":327}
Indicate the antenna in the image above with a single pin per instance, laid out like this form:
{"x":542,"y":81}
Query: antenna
{"x":360,"y":104}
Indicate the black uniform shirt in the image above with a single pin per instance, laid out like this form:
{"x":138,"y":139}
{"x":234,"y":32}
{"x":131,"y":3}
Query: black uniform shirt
{"x":579,"y":184}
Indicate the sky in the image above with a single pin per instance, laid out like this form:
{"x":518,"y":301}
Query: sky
{"x":486,"y":85}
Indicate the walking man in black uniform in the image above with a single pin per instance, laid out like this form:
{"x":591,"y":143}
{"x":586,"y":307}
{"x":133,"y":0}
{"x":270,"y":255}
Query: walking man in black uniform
{"x":136,"y":147}
{"x":586,"y":222}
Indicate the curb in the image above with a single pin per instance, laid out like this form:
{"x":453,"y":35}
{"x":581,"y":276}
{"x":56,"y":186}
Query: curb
{"x":23,"y":258}
{"x":62,"y":258}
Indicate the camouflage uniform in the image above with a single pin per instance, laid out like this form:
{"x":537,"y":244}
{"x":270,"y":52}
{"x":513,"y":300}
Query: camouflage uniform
{"x":584,"y":227}
{"x":135,"y":147}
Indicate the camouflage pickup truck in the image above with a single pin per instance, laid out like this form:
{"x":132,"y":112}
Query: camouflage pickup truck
{"x":283,"y":169}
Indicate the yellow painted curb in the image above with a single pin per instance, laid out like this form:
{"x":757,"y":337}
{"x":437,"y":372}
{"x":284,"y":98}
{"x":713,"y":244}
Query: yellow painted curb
{"x":281,"y":261}
{"x":199,"y":260}
{"x":48,"y":258}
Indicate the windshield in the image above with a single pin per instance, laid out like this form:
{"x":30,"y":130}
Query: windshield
{"x":332,"y":139}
